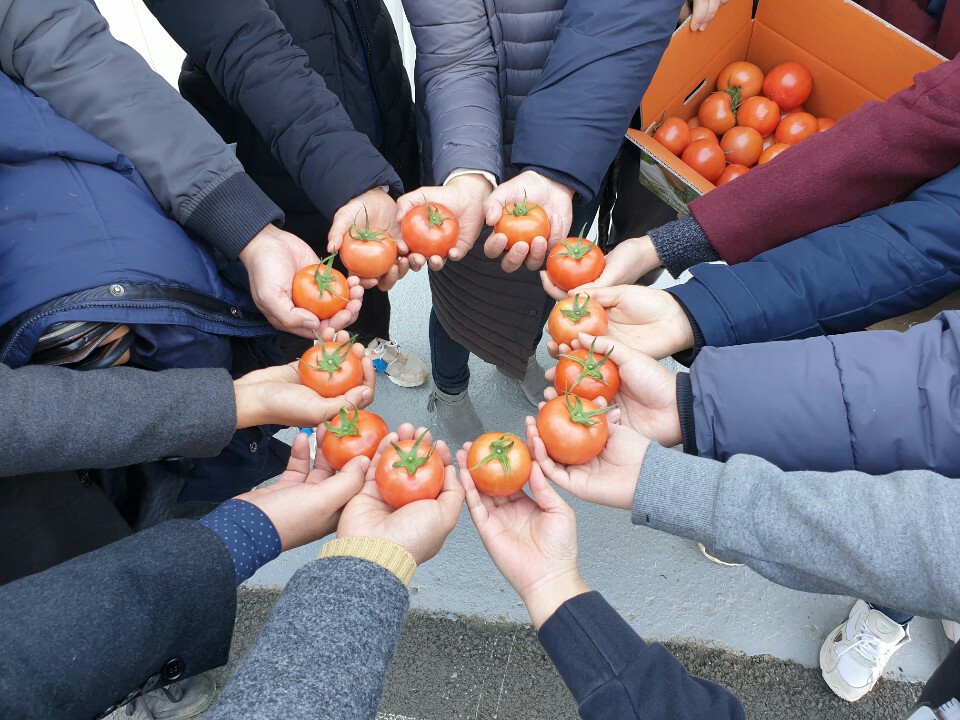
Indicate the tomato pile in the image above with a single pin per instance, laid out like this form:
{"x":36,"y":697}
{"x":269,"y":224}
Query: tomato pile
{"x":748,"y":121}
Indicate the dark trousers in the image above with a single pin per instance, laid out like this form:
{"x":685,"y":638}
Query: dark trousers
{"x":896,"y":615}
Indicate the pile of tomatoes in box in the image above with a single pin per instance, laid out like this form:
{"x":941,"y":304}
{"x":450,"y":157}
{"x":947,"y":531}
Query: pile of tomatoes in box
{"x":748,"y":121}
{"x":572,"y":426}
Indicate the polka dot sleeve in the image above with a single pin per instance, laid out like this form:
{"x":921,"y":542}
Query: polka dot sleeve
{"x":250,"y":537}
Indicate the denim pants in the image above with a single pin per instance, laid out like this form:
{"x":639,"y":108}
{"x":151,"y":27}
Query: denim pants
{"x":897,"y":616}
{"x":449,"y":359}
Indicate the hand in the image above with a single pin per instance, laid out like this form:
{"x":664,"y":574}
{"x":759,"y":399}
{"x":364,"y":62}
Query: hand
{"x":703,"y":12}
{"x":420,"y":527}
{"x":304,"y":505}
{"x":274,"y":396}
{"x":272,"y":258}
{"x":382,"y":211}
{"x":648,"y":391}
{"x":555,"y":198}
{"x":624,"y":265}
{"x":533,"y":543}
{"x":609,"y":479}
{"x":464,"y":196}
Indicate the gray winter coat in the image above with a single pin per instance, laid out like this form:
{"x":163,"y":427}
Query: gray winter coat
{"x":504,"y":85}
{"x":63,"y":51}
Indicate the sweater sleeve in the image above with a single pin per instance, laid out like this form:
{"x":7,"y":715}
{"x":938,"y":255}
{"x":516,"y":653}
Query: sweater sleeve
{"x":603,"y":57}
{"x":837,"y":407}
{"x":256,"y":67}
{"x":844,"y":533}
{"x":613,"y":673}
{"x":60,"y":419}
{"x":840,"y":171}
{"x":325,"y":648}
{"x":63,"y":51}
{"x":890,"y":261}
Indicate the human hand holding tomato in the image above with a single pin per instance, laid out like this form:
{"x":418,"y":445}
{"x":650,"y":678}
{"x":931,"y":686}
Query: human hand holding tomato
{"x":332,"y":299}
{"x":625,"y":264}
{"x":464,"y":196}
{"x":533,"y":542}
{"x":532,"y":189}
{"x":420,"y":527}
{"x":335,"y":366}
{"x":499,"y":463}
{"x":351,"y":434}
{"x":572,"y":262}
{"x":305,"y":503}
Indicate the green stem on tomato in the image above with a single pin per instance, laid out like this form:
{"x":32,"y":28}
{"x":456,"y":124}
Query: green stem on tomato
{"x":578,"y":312}
{"x":348,"y":425}
{"x":590,"y":366}
{"x":581,"y":416}
{"x":577,"y":250}
{"x":521,"y":208}
{"x":367,"y":234}
{"x":332,"y":362}
{"x":326,"y":279}
{"x":410,"y":461}
{"x":499,"y":450}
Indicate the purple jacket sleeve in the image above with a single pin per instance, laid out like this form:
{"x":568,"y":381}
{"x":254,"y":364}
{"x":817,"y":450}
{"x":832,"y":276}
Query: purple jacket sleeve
{"x":877,"y":402}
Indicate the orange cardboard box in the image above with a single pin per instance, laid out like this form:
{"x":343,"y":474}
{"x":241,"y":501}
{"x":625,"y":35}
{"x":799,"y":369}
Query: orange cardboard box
{"x":853,"y":55}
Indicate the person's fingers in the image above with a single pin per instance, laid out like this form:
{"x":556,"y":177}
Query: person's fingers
{"x":537,"y":253}
{"x":443,"y":452}
{"x":494,"y":245}
{"x":361,"y":396}
{"x":368,"y":283}
{"x":298,"y":467}
{"x":416,"y":261}
{"x":436,"y":263}
{"x":405,"y":432}
{"x":553,"y":349}
{"x":408,"y":202}
{"x":552,"y":290}
{"x":493,"y":208}
{"x":459,"y":251}
{"x":451,"y":498}
{"x":544,"y":495}
{"x":557,"y":230}
{"x":550,"y":393}
{"x":477,"y":504}
{"x":342,"y":221}
{"x":551,"y":374}
{"x":515,"y":257}
{"x":339,"y":489}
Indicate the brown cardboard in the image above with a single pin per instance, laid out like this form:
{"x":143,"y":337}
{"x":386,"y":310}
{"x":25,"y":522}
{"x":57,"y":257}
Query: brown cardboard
{"x":853,"y":56}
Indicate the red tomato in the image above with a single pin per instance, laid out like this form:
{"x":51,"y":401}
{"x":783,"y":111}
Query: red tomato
{"x":573,"y":430}
{"x":731,"y":172}
{"x":408,"y":471}
{"x":702,"y":133}
{"x":706,"y":158}
{"x":771,"y":152}
{"x":788,"y":84}
{"x":794,"y":128}
{"x":693,"y":122}
{"x":349,"y":436}
{"x":330,"y":369}
{"x":586,"y":374}
{"x":747,"y":76}
{"x":673,"y":134}
{"x":575,"y":262}
{"x":522,"y":222}
{"x":717,"y":111}
{"x":321,"y":289}
{"x":759,"y":113}
{"x":742,"y":146}
{"x":570,"y":317}
{"x":429,"y":230}
{"x":825,"y":123}
{"x":499,"y":464}
{"x":368,"y":252}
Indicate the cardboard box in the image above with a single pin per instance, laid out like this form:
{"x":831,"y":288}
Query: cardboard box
{"x":853,"y":55}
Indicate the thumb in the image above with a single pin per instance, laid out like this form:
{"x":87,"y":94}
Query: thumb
{"x":342,"y":487}
{"x":544,"y":495}
{"x":493,"y":208}
{"x":605,"y":297}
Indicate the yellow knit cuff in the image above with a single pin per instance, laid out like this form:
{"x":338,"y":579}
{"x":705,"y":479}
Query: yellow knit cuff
{"x":385,"y":553}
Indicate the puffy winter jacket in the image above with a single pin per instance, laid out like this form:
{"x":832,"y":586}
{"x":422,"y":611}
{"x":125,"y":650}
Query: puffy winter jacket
{"x":846,"y":277}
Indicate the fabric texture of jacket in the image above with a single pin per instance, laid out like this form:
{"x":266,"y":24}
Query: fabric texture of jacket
{"x":288,"y":82}
{"x":502,"y":85}
{"x":63,"y":51}
{"x":899,"y":258}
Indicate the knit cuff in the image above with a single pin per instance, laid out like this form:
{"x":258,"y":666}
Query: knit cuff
{"x":232,"y":214}
{"x":581,"y":193}
{"x":685,"y":408}
{"x":385,"y":553}
{"x":681,"y":244}
{"x":686,"y":357}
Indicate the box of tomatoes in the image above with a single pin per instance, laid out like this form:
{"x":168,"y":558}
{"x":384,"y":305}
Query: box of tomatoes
{"x":747,"y":88}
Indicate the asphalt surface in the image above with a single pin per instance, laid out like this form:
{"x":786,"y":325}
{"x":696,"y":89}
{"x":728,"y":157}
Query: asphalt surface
{"x":452,"y":668}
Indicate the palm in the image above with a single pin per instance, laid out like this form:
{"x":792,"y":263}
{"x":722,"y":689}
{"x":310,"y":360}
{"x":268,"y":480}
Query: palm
{"x":645,"y":319}
{"x":647,"y":398}
{"x":410,"y":526}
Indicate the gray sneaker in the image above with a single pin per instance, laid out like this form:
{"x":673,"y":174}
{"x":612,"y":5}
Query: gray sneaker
{"x":182,"y":700}
{"x":533,"y":383}
{"x":458,"y":418}
{"x":401,"y":366}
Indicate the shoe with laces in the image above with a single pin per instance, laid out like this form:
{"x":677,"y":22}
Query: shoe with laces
{"x":401,"y":366}
{"x":952,"y":629}
{"x":188,"y":698}
{"x":458,"y":417}
{"x":853,"y":656}
{"x":533,"y":383}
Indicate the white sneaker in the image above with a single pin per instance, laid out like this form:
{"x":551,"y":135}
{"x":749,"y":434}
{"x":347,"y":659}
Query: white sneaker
{"x":401,"y":366}
{"x":952,"y":629}
{"x":853,"y":656}
{"x":186,"y":699}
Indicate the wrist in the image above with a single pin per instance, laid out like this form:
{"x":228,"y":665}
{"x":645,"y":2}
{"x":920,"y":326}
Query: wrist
{"x":249,"y":407}
{"x":474,"y":184}
{"x":683,"y":330}
{"x":251,"y":248}
{"x":389,"y":555}
{"x":544,"y":597}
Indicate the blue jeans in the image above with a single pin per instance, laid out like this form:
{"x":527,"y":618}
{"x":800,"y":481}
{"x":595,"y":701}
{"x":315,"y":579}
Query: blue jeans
{"x":897,"y":616}
{"x":449,"y":359}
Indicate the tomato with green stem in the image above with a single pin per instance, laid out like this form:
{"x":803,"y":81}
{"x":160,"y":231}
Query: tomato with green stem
{"x":575,"y":262}
{"x":499,"y":464}
{"x":330,"y":369}
{"x":522,"y":222}
{"x":368,"y":252}
{"x":719,"y":111}
{"x":409,"y":471}
{"x":571,"y":316}
{"x":573,"y":430}
{"x":745,"y":75}
{"x":321,"y":289}
{"x":351,"y":435}
{"x":430,"y":229}
{"x":587,"y":374}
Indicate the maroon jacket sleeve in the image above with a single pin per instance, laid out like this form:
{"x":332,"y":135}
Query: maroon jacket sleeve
{"x":870,"y":158}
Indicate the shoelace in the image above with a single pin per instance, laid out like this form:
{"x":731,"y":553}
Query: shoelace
{"x":868,"y":646}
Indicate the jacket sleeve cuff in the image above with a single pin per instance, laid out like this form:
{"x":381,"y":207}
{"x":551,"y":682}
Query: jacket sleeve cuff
{"x":685,"y":408}
{"x":681,"y":244}
{"x":582,"y":194}
{"x":231,"y":214}
{"x":686,"y":357}
{"x":488,"y":176}
{"x":388,"y":555}
{"x":677,"y":493}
